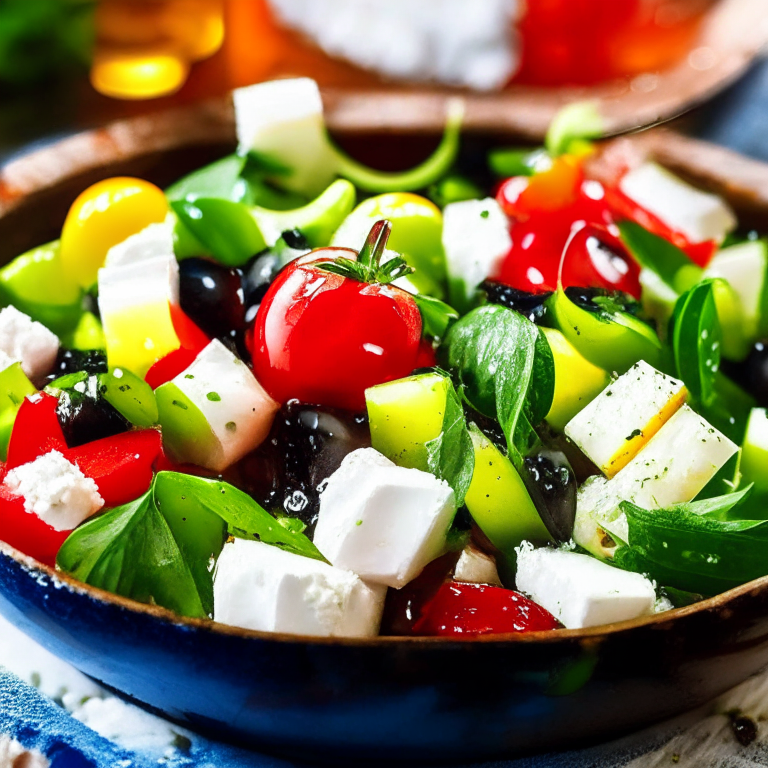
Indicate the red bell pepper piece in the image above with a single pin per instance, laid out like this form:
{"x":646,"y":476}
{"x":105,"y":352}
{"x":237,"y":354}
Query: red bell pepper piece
{"x":36,"y":430}
{"x":477,"y":609}
{"x":121,"y":465}
{"x":26,"y":531}
{"x":190,"y":336}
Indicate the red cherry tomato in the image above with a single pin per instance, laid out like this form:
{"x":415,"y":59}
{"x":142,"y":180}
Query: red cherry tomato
{"x":477,"y":609}
{"x":121,"y":466}
{"x":36,"y":430}
{"x":323,"y":338}
{"x":26,"y":531}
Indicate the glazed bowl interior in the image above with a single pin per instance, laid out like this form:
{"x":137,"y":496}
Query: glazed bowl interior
{"x":395,"y":698}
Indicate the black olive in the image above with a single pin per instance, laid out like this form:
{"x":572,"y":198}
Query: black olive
{"x":294,"y":238}
{"x":74,"y":360}
{"x":531,"y":305}
{"x":306,"y":445}
{"x":212,"y":295}
{"x":489,"y":427}
{"x":744,"y":728}
{"x":258,"y":275}
{"x":551,"y":483}
{"x":85,"y":415}
{"x":752,"y":374}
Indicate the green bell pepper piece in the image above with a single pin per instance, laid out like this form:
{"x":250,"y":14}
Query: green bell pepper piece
{"x":14,"y":387}
{"x":131,"y":396}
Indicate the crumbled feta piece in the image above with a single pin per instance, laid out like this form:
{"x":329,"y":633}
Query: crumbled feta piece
{"x":449,"y":41}
{"x":55,"y":490}
{"x":382,"y":521}
{"x":625,"y":416}
{"x":283,"y":121}
{"x":154,"y":240}
{"x":139,"y":282}
{"x":475,"y":567}
{"x":698,"y":215}
{"x":258,"y":586}
{"x":24,"y":340}
{"x":475,"y":239}
{"x":6,"y":361}
{"x":683,"y":456}
{"x":581,"y":591}
{"x":236,"y":407}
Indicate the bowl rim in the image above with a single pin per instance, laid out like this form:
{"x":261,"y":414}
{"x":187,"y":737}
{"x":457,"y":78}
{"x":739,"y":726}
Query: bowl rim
{"x":211,"y":122}
{"x":588,"y":635}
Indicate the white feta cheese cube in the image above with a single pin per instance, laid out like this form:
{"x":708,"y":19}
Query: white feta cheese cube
{"x":236,"y":407}
{"x":581,"y":591}
{"x":475,"y":239}
{"x":675,"y":465}
{"x":698,"y":215}
{"x":475,"y":567}
{"x":154,"y":240}
{"x":154,"y":280}
{"x":258,"y":586}
{"x":24,"y":340}
{"x":55,"y":490}
{"x":625,"y":416}
{"x":283,"y":121}
{"x":382,"y":521}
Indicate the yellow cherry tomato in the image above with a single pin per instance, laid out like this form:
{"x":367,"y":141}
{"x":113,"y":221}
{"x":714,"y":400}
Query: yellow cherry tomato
{"x":102,"y":216}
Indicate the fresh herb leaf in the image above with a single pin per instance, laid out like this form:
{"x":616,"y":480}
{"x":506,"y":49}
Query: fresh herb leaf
{"x":220,"y":179}
{"x":226,"y":229}
{"x":436,"y":315}
{"x":245,"y":518}
{"x":656,"y":253}
{"x":696,"y":338}
{"x":575,"y":122}
{"x":138,"y":551}
{"x":450,"y":456}
{"x":496,"y":355}
{"x":700,"y":547}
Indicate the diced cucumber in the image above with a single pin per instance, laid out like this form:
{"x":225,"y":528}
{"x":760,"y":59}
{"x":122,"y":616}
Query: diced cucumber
{"x":577,"y":381}
{"x":187,"y":435}
{"x":404,"y":415}
{"x":498,"y":500}
{"x":131,"y":396}
{"x":754,"y":452}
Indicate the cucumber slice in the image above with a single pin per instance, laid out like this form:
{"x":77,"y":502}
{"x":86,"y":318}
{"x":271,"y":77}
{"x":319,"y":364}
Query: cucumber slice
{"x":187,"y":435}
{"x":609,"y":338}
{"x":130,"y":396}
{"x":404,"y":415}
{"x":498,"y":500}
{"x":754,"y":452}
{"x":577,"y":381}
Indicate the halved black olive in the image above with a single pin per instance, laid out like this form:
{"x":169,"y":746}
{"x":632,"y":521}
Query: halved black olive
{"x":601,"y":300}
{"x":74,"y":360}
{"x":84,"y":415}
{"x":552,"y":485}
{"x":752,"y":374}
{"x":531,"y":305}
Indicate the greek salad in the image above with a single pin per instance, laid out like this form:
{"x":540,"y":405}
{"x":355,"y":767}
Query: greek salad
{"x":497,"y":392}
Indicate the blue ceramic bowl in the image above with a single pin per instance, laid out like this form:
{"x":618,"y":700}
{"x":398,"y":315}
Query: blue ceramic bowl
{"x":381,"y":699}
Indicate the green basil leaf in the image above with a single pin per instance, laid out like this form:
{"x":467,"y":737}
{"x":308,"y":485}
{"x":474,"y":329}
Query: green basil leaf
{"x":135,"y":551}
{"x":696,"y":339}
{"x":450,"y":456}
{"x":226,"y":229}
{"x":575,"y":122}
{"x":436,"y":315}
{"x":245,"y":518}
{"x":656,"y":253}
{"x":493,"y":353}
{"x":698,"y":547}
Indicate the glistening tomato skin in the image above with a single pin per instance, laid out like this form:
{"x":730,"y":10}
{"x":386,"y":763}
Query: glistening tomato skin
{"x":322,"y":338}
{"x":460,"y":609}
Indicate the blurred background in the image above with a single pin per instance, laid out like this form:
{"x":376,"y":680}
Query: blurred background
{"x":71,"y":64}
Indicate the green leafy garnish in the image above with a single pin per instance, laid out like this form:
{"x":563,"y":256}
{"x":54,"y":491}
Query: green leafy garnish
{"x":436,"y":315}
{"x":160,"y":548}
{"x":496,"y":355}
{"x":575,"y":122}
{"x":450,"y":456}
{"x":664,"y":258}
{"x":506,"y":162}
{"x":702,"y":546}
{"x":696,"y":339}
